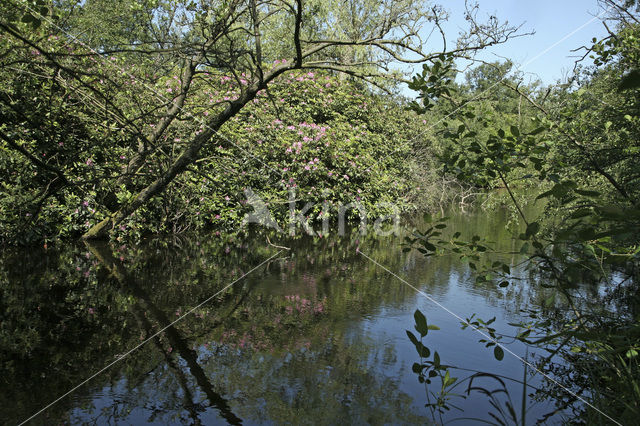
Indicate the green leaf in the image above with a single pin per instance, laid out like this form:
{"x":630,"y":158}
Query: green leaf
{"x":27,"y":18}
{"x":630,"y":81}
{"x":515,"y":131}
{"x":429,"y":246}
{"x":423,"y":351}
{"x":537,"y":131}
{"x":532,"y":229}
{"x":587,"y":193}
{"x":498,"y":353}
{"x":421,"y":323}
{"x":413,"y":338}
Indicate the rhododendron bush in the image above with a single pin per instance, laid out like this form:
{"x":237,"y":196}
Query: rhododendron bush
{"x":127,"y":118}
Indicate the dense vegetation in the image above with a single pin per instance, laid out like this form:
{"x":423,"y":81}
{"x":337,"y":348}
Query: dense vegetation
{"x":157,"y":124}
{"x":576,"y":148}
{"x":124,"y":119}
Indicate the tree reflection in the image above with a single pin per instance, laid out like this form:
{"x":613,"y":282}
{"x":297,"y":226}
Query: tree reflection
{"x":284,"y":344}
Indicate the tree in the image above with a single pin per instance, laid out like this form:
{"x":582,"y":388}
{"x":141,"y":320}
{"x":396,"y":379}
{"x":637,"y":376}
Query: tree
{"x":581,"y":149}
{"x":129,"y":89}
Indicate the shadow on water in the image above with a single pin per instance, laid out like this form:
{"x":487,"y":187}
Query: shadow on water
{"x":315,"y":336}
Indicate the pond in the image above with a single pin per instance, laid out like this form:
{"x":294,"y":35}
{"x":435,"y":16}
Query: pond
{"x":97,"y":333}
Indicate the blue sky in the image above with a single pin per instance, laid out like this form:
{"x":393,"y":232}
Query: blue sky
{"x":552,"y":21}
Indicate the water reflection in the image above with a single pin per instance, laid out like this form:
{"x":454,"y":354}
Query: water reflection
{"x":314,"y":336}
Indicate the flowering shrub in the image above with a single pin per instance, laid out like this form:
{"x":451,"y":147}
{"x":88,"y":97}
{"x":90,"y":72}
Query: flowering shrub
{"x":330,"y":140}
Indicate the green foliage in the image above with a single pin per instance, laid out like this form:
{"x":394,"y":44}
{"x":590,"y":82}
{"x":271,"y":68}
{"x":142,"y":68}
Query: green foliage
{"x":581,"y":150}
{"x":330,"y":140}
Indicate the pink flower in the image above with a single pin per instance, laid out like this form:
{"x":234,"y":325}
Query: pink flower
{"x":91,"y":311}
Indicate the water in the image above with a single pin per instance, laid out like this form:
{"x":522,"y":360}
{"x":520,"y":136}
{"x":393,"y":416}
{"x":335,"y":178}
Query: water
{"x":314,"y":336}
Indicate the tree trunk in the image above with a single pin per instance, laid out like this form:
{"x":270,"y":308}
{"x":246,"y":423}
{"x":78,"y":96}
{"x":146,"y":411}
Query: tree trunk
{"x":190,"y":154}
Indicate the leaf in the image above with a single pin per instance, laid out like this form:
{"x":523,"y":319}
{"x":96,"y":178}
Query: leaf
{"x":515,"y":131}
{"x":549,"y":300}
{"x":423,"y":351}
{"x":537,"y":131}
{"x":498,"y":353}
{"x":630,"y":81}
{"x":580,"y":213}
{"x":28,"y":17}
{"x":429,"y":246}
{"x":421,"y":323}
{"x":532,"y":229}
{"x":413,"y":338}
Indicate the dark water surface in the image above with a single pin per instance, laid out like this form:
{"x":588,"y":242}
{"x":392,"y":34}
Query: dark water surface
{"x":315,"y":336}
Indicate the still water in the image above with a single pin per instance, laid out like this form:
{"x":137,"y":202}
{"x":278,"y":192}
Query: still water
{"x":314,"y":336}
